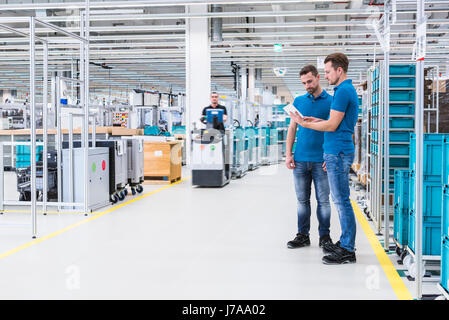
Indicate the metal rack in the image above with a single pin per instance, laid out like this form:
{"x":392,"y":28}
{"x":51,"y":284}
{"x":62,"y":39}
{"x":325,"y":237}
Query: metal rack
{"x":83,"y":41}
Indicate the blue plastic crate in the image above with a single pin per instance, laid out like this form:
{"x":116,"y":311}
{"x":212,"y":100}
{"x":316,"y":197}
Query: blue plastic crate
{"x":445,"y":264}
{"x":445,"y":178}
{"x":445,"y":211}
{"x":400,"y":136}
{"x":26,"y":150}
{"x":402,"y":95}
{"x":22,"y":164}
{"x":401,"y":203}
{"x":402,"y":109}
{"x":250,"y":133}
{"x":408,"y":82}
{"x":431,"y":236}
{"x":402,"y":123}
{"x":432,"y":193}
{"x":399,"y":149}
{"x":179,"y":130}
{"x":432,"y":155}
{"x":399,"y":162}
{"x":405,"y":70}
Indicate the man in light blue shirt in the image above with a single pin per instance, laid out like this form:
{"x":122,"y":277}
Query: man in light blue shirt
{"x":307,"y":161}
{"x":338,"y":152}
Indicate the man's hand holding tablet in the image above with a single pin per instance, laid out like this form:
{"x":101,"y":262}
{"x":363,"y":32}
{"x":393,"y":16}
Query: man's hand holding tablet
{"x":295,"y":114}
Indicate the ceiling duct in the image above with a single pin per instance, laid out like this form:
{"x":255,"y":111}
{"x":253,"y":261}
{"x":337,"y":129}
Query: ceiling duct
{"x":216,"y":25}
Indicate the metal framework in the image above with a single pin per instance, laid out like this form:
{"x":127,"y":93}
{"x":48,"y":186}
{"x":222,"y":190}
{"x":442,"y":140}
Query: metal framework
{"x":84,"y":75}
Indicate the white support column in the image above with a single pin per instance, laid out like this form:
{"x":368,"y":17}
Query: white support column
{"x":251,"y":84}
{"x":243,"y":84}
{"x":198,"y":69}
{"x":419,"y":127}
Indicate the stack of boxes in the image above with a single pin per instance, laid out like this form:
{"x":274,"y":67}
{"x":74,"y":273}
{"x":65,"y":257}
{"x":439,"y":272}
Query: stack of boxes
{"x":23,"y":153}
{"x":432,"y":193}
{"x":402,"y":112}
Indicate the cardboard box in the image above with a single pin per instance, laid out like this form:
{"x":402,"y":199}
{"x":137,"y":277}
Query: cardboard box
{"x":118,"y":131}
{"x":442,"y":86}
{"x":162,"y":161}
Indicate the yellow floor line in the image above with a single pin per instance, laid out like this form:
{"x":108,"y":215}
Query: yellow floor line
{"x":393,"y":276}
{"x":94,"y":217}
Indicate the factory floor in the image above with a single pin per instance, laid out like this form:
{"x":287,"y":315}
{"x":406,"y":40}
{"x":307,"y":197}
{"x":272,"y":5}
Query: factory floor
{"x":181,"y":242}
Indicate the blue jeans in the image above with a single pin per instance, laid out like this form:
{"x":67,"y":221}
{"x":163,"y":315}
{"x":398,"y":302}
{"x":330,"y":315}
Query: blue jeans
{"x":338,"y":172}
{"x":303,"y":173}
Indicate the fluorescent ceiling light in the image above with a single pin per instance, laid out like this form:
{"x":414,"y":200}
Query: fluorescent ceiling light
{"x":117,"y":11}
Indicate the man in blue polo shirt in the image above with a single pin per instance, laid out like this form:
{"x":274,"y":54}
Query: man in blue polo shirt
{"x":338,"y":152}
{"x":307,"y":161}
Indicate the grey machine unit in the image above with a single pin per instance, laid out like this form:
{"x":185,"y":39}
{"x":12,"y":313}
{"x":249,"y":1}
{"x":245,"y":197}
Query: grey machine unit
{"x":118,"y":170}
{"x":98,"y":177}
{"x":135,"y":164}
{"x":211,"y":157}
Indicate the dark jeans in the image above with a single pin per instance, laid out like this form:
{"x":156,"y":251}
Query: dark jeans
{"x":338,"y":172}
{"x":304,"y":173}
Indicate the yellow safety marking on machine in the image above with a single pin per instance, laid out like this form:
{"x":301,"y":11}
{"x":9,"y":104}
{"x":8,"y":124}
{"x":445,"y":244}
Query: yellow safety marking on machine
{"x":73,"y":226}
{"x":393,"y":276}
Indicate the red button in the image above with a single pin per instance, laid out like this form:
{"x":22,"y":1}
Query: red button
{"x":103,"y":165}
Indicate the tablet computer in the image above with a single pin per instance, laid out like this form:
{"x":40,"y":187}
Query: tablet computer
{"x":291,"y":108}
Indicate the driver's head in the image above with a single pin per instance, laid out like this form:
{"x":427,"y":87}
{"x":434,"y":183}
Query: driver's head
{"x":214,"y":98}
{"x":310,"y":78}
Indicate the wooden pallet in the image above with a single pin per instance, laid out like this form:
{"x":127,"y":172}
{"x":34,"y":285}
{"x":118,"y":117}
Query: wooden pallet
{"x":160,"y":180}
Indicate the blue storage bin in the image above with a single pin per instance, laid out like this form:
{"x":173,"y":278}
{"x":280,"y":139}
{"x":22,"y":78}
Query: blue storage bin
{"x":408,"y":82}
{"x":22,"y":164}
{"x":400,"y":136}
{"x":402,"y":109}
{"x":432,"y":193}
{"x":445,"y":211}
{"x":402,"y":95}
{"x":250,"y":133}
{"x":402,"y":123}
{"x":399,"y":70}
{"x":399,"y":162}
{"x":179,"y":130}
{"x":431,"y":236}
{"x":401,"y":203}
{"x":445,"y":264}
{"x":399,"y":149}
{"x":432,"y":155}
{"x":273,"y":137}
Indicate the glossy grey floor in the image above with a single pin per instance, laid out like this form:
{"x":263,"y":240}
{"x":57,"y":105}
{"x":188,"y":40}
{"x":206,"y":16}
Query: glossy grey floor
{"x":187,"y":243}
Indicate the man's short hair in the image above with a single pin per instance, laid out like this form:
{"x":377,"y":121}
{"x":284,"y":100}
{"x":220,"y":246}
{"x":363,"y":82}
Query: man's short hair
{"x":309,"y":68}
{"x":213,"y":92}
{"x":338,"y":59}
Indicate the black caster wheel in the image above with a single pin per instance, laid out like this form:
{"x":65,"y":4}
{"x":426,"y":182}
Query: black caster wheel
{"x":114,"y":198}
{"x":125,"y":191}
{"x":398,"y":251}
{"x":403,"y":255}
{"x":121,"y":196}
{"x":139,"y":189}
{"x":133,"y":191}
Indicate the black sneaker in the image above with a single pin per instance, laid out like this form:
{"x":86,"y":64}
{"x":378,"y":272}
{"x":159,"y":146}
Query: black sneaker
{"x":301,"y":240}
{"x":340,"y":256}
{"x":329,"y":247}
{"x":326,"y":243}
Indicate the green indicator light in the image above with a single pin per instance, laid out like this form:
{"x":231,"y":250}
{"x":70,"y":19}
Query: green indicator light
{"x":277,"y":47}
{"x":212,"y":148}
